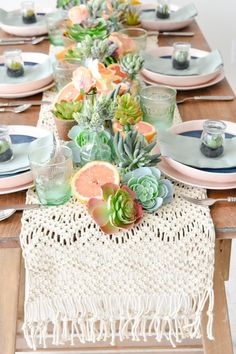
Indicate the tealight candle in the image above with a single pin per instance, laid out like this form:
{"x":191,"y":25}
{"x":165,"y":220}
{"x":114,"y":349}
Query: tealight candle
{"x":163,"y":9}
{"x":181,"y":55}
{"x":6,"y":153}
{"x":28,"y":12}
{"x":14,"y":63}
{"x":213,"y":138}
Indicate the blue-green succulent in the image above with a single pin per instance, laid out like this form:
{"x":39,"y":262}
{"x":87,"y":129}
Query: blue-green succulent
{"x":151,"y":191}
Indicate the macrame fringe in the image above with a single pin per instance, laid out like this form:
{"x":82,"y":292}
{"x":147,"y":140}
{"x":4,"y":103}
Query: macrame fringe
{"x":174,"y":317}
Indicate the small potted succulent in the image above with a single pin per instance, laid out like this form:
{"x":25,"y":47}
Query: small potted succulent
{"x":163,"y":9}
{"x":14,"y":63}
{"x":28,"y":13}
{"x":63,"y":116}
{"x":131,"y":19}
{"x":6,"y":153}
{"x":181,"y":55}
{"x":212,"y":139}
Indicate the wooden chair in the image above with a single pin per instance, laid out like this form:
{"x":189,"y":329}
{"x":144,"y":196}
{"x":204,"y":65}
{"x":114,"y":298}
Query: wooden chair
{"x":11,"y":318}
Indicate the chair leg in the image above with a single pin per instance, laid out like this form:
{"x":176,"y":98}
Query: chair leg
{"x":221,"y":327}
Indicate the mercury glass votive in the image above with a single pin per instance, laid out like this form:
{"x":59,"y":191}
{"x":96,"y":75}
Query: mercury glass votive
{"x":163,"y":9}
{"x":14,"y":63}
{"x":138,"y":35}
{"x":213,"y":138}
{"x":28,"y":12}
{"x":181,"y":55}
{"x":6,"y":153}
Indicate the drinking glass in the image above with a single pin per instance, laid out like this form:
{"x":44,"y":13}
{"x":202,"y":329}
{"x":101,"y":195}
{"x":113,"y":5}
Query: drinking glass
{"x":158,"y":105}
{"x":56,"y":27}
{"x":6,"y":153}
{"x":138,"y":35}
{"x":63,"y":72}
{"x":51,"y":167}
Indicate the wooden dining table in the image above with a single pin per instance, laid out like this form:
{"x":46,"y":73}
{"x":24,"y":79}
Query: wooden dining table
{"x":223,"y":213}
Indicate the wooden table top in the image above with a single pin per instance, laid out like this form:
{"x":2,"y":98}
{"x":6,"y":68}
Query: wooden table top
{"x":224,"y":214}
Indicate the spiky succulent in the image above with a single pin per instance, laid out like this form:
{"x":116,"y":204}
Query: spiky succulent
{"x":131,"y":64}
{"x":65,"y":110}
{"x":92,"y":48}
{"x":128,"y":110}
{"x":96,"y":111}
{"x":132,"y":18}
{"x":133,"y":151}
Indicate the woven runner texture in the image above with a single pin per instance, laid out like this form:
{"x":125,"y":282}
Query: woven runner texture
{"x":84,"y":285}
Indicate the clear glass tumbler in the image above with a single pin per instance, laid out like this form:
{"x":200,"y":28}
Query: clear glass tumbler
{"x":14,"y":62}
{"x":28,"y":12}
{"x":56,"y":23}
{"x":181,"y":55}
{"x":63,"y":72}
{"x":138,"y":35}
{"x":52,"y":168}
{"x":158,"y":105}
{"x":213,"y":138}
{"x":6,"y":153}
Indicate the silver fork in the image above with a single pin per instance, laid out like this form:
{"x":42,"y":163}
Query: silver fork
{"x":206,"y":98}
{"x":208,"y":201}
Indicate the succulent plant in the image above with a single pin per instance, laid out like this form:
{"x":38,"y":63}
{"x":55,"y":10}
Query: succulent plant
{"x":65,"y":109}
{"x":15,"y":65}
{"x":132,"y":18}
{"x":131,"y":64}
{"x":128,"y":110}
{"x":117,"y":210}
{"x":133,"y":151}
{"x":151,"y":191}
{"x":94,"y":29}
{"x":67,"y":4}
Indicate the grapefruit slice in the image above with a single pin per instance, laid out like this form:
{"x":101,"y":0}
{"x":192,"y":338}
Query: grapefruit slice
{"x":87,"y":182}
{"x":144,"y":128}
{"x":68,"y":93}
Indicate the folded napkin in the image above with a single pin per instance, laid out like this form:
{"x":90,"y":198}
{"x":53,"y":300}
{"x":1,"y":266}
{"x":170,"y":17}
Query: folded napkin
{"x":205,"y":65}
{"x":184,"y":13}
{"x":186,"y":150}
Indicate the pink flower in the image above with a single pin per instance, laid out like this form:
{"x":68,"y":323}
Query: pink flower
{"x":83,"y":79}
{"x":78,"y":14}
{"x":125,"y":43}
{"x":104,"y":77}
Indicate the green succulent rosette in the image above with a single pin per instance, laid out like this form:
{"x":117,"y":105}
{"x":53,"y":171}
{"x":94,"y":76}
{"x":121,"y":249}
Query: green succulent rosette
{"x":151,"y":191}
{"x":117,"y":210}
{"x":90,"y":145}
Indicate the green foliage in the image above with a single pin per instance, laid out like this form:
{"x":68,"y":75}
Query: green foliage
{"x":128,"y":110}
{"x":133,"y":151}
{"x":15,"y":65}
{"x":132,"y":18}
{"x":131,"y":64}
{"x":97,"y":29}
{"x":66,"y":4}
{"x":65,"y":110}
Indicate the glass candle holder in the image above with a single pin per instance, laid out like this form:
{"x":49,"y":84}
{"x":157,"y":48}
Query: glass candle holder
{"x":138,"y":35}
{"x":213,"y":138}
{"x":6,"y":153}
{"x":14,"y":62}
{"x":158,"y":105}
{"x":181,"y":55}
{"x":163,"y":9}
{"x":28,"y":12}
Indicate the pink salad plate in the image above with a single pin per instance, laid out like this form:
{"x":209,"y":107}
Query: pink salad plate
{"x":181,"y":81}
{"x":38,"y":73}
{"x":155,"y":25}
{"x":216,"y":80}
{"x":193,"y":176}
{"x":21,"y":180}
{"x":19,"y":188}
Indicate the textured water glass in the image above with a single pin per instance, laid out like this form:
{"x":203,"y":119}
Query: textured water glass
{"x":52,"y":168}
{"x":181,"y":55}
{"x":63,"y":71}
{"x":138,"y":35}
{"x":6,"y":153}
{"x":56,"y":27}
{"x":158,"y":105}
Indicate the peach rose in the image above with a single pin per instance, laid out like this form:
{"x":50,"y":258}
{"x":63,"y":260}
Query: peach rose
{"x":125,"y":43}
{"x":83,"y":79}
{"x":78,"y":14}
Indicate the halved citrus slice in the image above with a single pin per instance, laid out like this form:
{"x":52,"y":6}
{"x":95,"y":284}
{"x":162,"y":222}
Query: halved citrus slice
{"x":144,"y":128}
{"x":68,"y":93}
{"x":87,"y":182}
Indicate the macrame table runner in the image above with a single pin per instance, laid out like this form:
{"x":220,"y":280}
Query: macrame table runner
{"x":151,"y":280}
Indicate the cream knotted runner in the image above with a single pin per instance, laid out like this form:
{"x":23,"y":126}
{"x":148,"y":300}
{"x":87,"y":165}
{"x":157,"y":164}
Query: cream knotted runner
{"x":151,"y":280}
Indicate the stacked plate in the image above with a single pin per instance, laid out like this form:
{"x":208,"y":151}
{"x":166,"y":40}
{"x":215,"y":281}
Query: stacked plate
{"x":37,"y":77}
{"x":183,"y":81}
{"x":210,"y":178}
{"x":15,"y":175}
{"x":11,"y":22}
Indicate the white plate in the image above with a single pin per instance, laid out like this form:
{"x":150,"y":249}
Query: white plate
{"x":16,"y":189}
{"x":28,"y":93}
{"x":169,"y":80}
{"x":38,"y":73}
{"x":11,"y":22}
{"x":192,"y":176}
{"x":167,"y":25}
{"x":217,"y":79}
{"x":23,"y":178}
